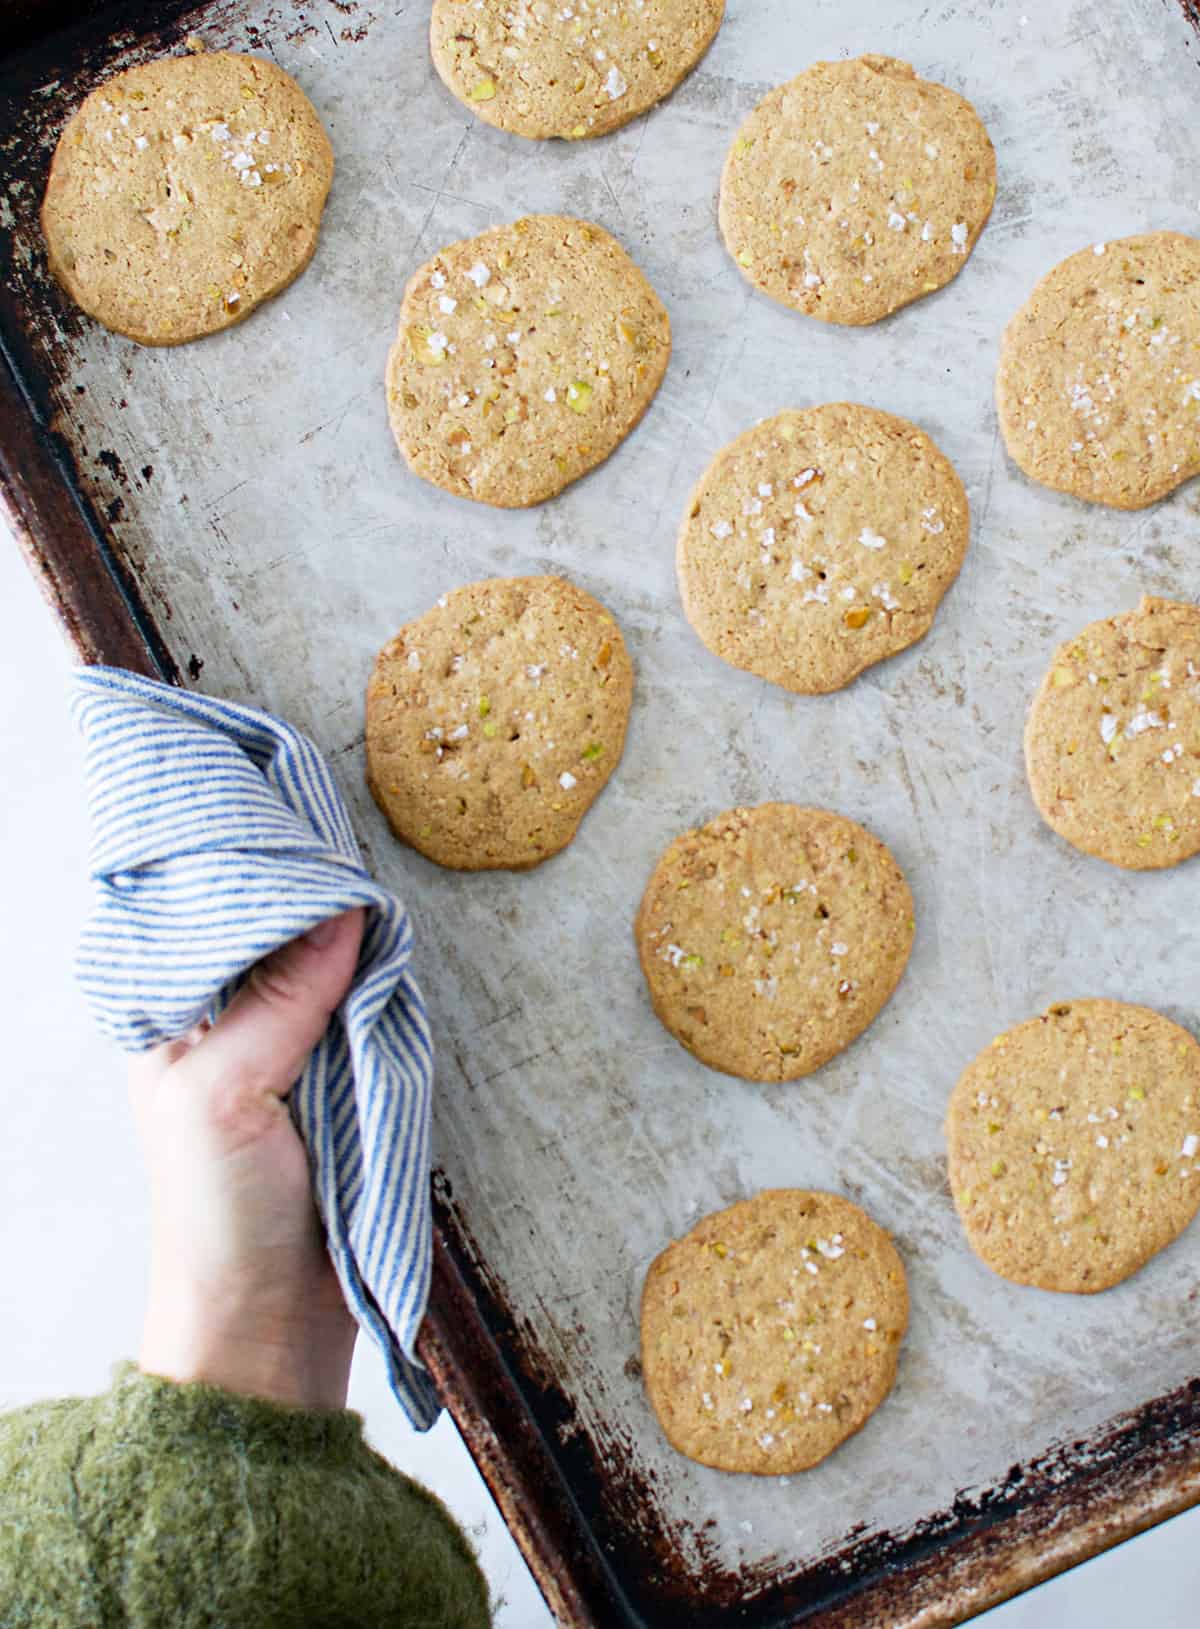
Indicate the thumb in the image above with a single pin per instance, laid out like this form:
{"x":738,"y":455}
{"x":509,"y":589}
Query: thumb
{"x":262,"y":1040}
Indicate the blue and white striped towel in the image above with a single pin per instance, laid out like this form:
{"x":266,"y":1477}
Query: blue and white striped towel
{"x":218,"y":833}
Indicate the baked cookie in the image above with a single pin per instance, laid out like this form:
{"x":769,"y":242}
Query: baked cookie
{"x":540,"y":68}
{"x":185,"y":192}
{"x":856,"y":188}
{"x":1099,"y":381}
{"x":494,"y":721}
{"x":771,"y":937}
{"x":1073,"y":1143}
{"x":1112,"y":744}
{"x":771,"y":1331}
{"x":820,"y":542}
{"x":525,"y":356}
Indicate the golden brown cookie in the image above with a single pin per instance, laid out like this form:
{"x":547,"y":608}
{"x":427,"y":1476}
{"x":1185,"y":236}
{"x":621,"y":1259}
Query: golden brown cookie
{"x":856,"y":188}
{"x":184,"y":193}
{"x":525,"y":356}
{"x":494,"y":721}
{"x":1099,"y":381}
{"x":547,"y":68}
{"x":1112,"y":744}
{"x":771,"y":937}
{"x":1073,"y":1143}
{"x":820,"y":542}
{"x":771,"y":1331}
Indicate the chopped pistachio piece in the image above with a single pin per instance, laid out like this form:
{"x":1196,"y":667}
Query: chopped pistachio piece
{"x":579,"y":396}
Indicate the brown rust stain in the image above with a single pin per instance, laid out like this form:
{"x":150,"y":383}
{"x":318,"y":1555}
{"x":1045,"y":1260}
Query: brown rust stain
{"x":112,"y":463}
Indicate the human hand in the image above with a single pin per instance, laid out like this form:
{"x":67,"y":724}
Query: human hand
{"x":242,"y":1292}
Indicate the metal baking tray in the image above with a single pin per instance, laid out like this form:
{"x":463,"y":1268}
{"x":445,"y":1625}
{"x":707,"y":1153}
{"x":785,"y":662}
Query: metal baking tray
{"x":233,"y":515}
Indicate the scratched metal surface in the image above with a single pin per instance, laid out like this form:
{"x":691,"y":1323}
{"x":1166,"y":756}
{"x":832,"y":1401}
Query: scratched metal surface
{"x":253,"y":486}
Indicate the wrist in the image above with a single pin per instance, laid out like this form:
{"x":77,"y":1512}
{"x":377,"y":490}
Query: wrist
{"x":201,"y":1336}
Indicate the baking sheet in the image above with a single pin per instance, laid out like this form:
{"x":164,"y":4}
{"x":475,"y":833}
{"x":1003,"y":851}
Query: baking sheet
{"x":251,"y":484}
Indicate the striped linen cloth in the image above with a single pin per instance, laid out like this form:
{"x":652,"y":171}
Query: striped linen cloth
{"x":218,"y":834}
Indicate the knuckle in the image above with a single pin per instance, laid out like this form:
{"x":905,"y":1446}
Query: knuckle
{"x":276,"y":982}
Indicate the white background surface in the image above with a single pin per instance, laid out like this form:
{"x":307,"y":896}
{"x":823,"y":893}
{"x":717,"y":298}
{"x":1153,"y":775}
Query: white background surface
{"x":72,"y":1205}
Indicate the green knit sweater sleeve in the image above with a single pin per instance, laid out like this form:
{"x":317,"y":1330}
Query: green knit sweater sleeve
{"x":159,"y":1506}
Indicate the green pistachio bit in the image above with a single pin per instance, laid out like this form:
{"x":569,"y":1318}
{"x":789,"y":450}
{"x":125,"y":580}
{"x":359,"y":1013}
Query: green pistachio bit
{"x":592,"y":752}
{"x":485,"y":706}
{"x":579,"y":396}
{"x":693,"y":961}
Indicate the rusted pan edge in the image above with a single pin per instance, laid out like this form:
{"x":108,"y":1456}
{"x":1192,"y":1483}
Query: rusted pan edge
{"x":28,"y":21}
{"x":98,"y":606}
{"x":462,"y":1354}
{"x":1140,"y":1469}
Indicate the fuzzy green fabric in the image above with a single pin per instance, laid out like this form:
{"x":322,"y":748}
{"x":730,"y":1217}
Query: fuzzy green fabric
{"x":161,"y":1506}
